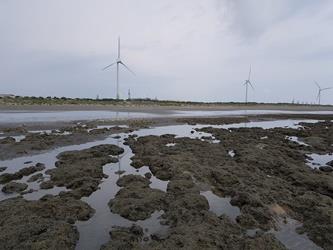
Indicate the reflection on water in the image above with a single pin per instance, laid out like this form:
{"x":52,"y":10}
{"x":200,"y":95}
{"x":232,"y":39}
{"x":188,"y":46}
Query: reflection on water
{"x":219,"y":205}
{"x":231,"y":153}
{"x":66,"y":116}
{"x":17,"y":138}
{"x":287,"y":235}
{"x":318,"y":160}
{"x":95,"y":231}
{"x":288,"y":123}
{"x":295,"y":139}
{"x":47,"y":158}
{"x":53,"y":116}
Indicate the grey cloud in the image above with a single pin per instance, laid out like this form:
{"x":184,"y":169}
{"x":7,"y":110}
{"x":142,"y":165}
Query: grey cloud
{"x":190,"y":49}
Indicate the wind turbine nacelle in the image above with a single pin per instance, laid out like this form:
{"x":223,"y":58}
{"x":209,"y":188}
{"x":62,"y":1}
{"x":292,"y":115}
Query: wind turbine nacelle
{"x":118,"y":60}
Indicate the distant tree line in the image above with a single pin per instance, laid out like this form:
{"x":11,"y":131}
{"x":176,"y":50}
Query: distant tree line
{"x":49,"y":100}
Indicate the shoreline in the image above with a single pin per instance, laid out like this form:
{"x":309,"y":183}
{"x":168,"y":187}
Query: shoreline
{"x":167,"y":120}
{"x":164,"y":109}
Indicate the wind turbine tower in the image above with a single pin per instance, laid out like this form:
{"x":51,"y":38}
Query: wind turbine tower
{"x":247,"y":84}
{"x":118,"y":62}
{"x":129,"y":94}
{"x":320,"y":89}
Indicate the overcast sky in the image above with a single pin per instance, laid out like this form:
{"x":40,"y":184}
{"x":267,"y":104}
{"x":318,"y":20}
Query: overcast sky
{"x":197,"y":50}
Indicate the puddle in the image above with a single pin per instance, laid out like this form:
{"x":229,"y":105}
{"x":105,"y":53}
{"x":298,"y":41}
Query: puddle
{"x":41,"y":192}
{"x":152,"y":225}
{"x":220,"y":205}
{"x":288,"y":236}
{"x":46,"y":131}
{"x":48,"y":158}
{"x":17,"y":138}
{"x":319,"y":160}
{"x":231,"y":153}
{"x":95,"y":231}
{"x":295,"y":139}
{"x":37,"y":191}
{"x":49,"y":132}
{"x":111,"y":126}
{"x":155,"y":182}
{"x":288,"y":123}
{"x":190,"y":131}
{"x":177,"y":130}
{"x":253,"y":232}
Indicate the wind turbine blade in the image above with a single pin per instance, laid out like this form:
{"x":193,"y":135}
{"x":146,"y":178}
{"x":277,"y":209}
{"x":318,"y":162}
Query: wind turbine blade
{"x":317,"y":84}
{"x":127,"y":68}
{"x":109,"y":66}
{"x":118,"y":47}
{"x":249,"y":74}
{"x":327,"y":88}
{"x":251,"y":85}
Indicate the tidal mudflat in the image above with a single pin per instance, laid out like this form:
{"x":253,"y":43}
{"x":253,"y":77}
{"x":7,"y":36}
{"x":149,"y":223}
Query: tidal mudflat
{"x":197,"y":183}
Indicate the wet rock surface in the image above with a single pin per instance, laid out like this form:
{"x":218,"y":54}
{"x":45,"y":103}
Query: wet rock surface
{"x":266,"y":178}
{"x":14,"y":130}
{"x":7,"y":140}
{"x":125,"y":238}
{"x":261,"y":174}
{"x":7,"y":177}
{"x":47,"y":185}
{"x":43,"y":224}
{"x":81,"y":171}
{"x":213,"y":120}
{"x":36,"y":177}
{"x":326,"y":169}
{"x":192,"y":226}
{"x":36,"y":142}
{"x":14,"y":187}
{"x":136,"y":200}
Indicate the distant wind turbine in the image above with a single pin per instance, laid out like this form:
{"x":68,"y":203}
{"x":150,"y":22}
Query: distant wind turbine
{"x":320,"y":89}
{"x":247,"y":83}
{"x":118,"y":62}
{"x":129,"y":94}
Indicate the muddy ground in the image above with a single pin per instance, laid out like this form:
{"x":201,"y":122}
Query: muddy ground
{"x":267,"y":178}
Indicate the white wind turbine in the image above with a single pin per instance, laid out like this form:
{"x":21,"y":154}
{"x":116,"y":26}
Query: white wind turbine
{"x":320,"y":89}
{"x":247,"y":83}
{"x":118,"y":62}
